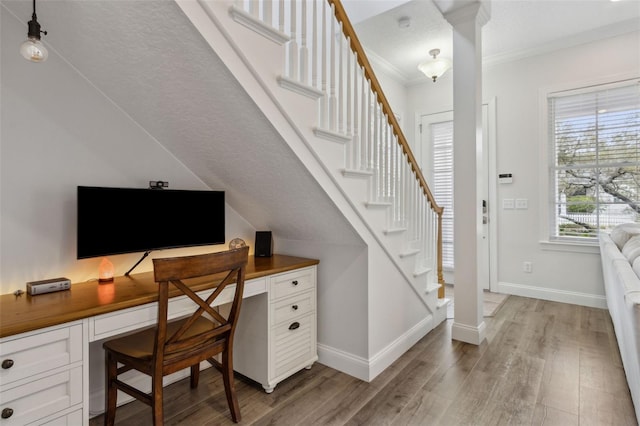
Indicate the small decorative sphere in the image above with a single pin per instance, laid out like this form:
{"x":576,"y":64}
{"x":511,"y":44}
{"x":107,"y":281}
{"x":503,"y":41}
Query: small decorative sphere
{"x":236,"y":243}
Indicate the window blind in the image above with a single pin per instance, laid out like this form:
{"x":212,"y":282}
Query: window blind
{"x":595,"y":169}
{"x":442,"y":143}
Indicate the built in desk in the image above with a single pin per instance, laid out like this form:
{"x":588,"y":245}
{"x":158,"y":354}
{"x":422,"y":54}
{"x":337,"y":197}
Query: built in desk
{"x":50,"y":344}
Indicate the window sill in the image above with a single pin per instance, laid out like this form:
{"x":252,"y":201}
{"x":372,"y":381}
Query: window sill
{"x":574,"y":247}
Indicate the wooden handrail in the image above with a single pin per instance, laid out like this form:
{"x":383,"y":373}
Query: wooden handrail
{"x":350,"y":33}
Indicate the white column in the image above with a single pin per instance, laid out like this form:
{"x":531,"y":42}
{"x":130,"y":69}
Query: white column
{"x":467,"y":22}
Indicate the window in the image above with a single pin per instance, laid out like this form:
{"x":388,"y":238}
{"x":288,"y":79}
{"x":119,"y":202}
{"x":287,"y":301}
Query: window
{"x":442,"y":143}
{"x":595,"y":164}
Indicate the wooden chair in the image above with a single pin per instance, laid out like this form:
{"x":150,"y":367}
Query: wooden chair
{"x":171,"y":346}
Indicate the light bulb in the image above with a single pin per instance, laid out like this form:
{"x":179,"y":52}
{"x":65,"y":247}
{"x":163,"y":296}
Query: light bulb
{"x":33,"y":50}
{"x":105,"y":271}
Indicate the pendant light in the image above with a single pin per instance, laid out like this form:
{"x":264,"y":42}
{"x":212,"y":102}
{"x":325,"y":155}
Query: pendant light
{"x":435,"y":67}
{"x":33,"y":49}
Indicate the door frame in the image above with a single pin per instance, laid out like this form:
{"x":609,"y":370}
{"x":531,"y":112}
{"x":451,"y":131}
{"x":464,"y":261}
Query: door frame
{"x":490,"y":179}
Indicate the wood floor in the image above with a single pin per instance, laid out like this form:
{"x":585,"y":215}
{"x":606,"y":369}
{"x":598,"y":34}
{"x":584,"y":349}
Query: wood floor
{"x":543,"y":363}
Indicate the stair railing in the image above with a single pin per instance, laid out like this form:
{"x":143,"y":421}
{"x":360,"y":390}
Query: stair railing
{"x":324,"y":54}
{"x":369,"y":75}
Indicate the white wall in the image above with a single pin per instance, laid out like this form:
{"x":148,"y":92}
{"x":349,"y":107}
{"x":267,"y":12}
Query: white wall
{"x":58,"y":131}
{"x":342,"y":299}
{"x":521,"y":150}
{"x":573,"y":276}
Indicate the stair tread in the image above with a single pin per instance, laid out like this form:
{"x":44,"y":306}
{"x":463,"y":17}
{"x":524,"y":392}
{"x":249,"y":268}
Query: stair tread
{"x":377,"y":204}
{"x":331,"y":135}
{"x":408,"y":253}
{"x":255,"y":24}
{"x":357,"y":173}
{"x":300,"y":88}
{"x":394,"y":231}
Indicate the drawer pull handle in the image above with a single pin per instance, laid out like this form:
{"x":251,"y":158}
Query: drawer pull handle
{"x":6,"y":413}
{"x":294,"y":282}
{"x":294,"y":325}
{"x":7,"y":364}
{"x":294,"y":307}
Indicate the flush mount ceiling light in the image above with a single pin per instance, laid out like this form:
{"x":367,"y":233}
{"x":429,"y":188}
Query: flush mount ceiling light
{"x":33,"y":49}
{"x":435,"y":67}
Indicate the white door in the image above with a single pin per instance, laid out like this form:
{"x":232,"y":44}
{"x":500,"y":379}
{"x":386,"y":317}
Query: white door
{"x":436,"y":161}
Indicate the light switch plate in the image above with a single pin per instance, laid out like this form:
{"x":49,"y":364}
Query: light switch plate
{"x":522,"y":203}
{"x":507,"y":203}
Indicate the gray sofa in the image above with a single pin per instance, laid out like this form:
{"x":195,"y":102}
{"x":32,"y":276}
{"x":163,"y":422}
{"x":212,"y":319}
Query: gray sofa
{"x":620,"y":254}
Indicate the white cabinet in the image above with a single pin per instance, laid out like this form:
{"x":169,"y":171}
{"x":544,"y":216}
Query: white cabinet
{"x":42,"y":375}
{"x":270,"y":351}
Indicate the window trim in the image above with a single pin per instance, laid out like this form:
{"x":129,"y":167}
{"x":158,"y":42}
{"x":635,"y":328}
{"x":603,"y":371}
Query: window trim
{"x":545,"y":209}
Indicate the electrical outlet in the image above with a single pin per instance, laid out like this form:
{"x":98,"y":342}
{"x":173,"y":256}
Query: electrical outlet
{"x":527,"y":267}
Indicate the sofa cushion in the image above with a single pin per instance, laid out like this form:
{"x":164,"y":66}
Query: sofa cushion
{"x":621,"y":233}
{"x":631,"y":249}
{"x":611,"y":252}
{"x":636,"y":267}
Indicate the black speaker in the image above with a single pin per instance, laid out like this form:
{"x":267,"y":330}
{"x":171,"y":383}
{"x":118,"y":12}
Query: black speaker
{"x":264,"y":244}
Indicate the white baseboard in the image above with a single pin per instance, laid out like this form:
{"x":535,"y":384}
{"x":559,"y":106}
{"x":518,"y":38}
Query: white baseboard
{"x":575,"y":298}
{"x":367,"y":370}
{"x":469,"y":334}
{"x":345,"y":362}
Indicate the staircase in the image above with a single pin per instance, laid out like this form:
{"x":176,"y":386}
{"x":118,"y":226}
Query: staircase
{"x":302,"y":59}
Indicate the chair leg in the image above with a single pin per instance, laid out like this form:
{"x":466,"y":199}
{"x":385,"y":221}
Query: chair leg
{"x":156,"y":400}
{"x":195,"y":375}
{"x":229,"y":385}
{"x":111,"y":395}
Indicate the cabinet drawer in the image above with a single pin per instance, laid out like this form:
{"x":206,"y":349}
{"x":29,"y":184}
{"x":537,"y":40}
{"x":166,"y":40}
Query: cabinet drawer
{"x":43,"y":397}
{"x":292,"y":307}
{"x":294,"y":345}
{"x":40,"y":352}
{"x":291,"y":283}
{"x":107,"y":325}
{"x":72,"y":419}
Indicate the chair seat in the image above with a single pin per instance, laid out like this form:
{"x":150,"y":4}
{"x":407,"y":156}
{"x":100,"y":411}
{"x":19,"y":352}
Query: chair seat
{"x":140,"y":345}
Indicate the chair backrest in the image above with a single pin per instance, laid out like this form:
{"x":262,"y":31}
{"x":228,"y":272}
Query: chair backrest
{"x":224,"y":269}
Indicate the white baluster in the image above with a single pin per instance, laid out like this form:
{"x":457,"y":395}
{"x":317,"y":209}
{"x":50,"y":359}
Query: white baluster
{"x":380,"y":149}
{"x":387,"y":155}
{"x":267,"y":6}
{"x":364,"y":116}
{"x":373,"y":153}
{"x":377,"y":146}
{"x":381,"y":146}
{"x":357,"y":153}
{"x":349,"y":148}
{"x":349,"y":110}
{"x":254,"y":8}
{"x":314,"y":45}
{"x":393,"y":181}
{"x":281,"y":16}
{"x":304,"y":51}
{"x":293,"y":44}
{"x":332,"y":71}
{"x":324,"y":120}
{"x":340,"y":81}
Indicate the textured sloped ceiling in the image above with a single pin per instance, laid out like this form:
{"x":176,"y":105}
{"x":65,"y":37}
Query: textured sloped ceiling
{"x":147,"y":57}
